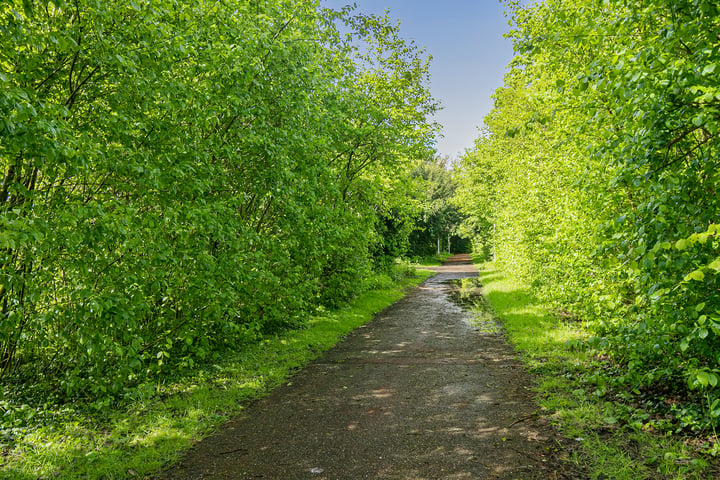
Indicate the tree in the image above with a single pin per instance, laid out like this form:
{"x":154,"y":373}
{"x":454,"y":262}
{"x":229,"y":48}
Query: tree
{"x":438,"y":218}
{"x":598,"y":172}
{"x":181,"y":178}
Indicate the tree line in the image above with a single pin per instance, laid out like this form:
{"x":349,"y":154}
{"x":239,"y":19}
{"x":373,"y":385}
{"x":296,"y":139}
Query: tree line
{"x":596,"y":182}
{"x":180,"y":178}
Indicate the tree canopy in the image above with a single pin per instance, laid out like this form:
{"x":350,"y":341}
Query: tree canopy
{"x":437,"y":219}
{"x":596,"y":182}
{"x":182,"y":177}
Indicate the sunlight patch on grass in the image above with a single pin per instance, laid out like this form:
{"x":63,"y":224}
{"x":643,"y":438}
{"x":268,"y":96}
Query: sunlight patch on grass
{"x":529,"y":325}
{"x":152,"y":431}
{"x":432,"y":260}
{"x":601,"y":446}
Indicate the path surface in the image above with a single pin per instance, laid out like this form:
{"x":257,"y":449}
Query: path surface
{"x":418,"y":393}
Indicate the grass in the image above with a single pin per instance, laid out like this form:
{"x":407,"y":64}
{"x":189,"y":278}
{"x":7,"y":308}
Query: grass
{"x":599,"y":442}
{"x":151,"y":432}
{"x":432,"y":260}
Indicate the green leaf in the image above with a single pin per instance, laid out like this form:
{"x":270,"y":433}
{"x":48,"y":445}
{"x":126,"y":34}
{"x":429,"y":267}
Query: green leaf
{"x":681,"y":244}
{"x":696,"y":275}
{"x":28,"y":8}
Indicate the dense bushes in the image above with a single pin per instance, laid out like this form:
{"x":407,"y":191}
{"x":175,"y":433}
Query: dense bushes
{"x":178,"y":178}
{"x":597,"y":183}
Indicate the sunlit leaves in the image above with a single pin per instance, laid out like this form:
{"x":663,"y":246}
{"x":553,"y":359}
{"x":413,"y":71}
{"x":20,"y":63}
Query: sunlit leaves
{"x":179,"y":178}
{"x":615,"y":107}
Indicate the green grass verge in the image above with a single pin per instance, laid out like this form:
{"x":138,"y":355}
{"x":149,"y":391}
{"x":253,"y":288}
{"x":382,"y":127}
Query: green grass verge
{"x":600,"y":443}
{"x":432,"y":260}
{"x":151,"y":432}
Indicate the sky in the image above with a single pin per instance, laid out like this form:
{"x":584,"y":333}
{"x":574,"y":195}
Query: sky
{"x":470,"y":56}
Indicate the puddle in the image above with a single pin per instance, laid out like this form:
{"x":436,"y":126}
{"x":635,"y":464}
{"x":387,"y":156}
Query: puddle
{"x":467,"y":294}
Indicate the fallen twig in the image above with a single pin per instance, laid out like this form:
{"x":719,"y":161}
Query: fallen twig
{"x":527,"y":417}
{"x":234,"y":451}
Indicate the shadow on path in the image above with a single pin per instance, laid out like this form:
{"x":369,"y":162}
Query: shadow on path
{"x":418,"y":393}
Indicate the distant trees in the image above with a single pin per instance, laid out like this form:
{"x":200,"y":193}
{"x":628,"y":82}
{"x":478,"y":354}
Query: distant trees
{"x":599,"y":171}
{"x":180,"y":177}
{"x":438,"y":219}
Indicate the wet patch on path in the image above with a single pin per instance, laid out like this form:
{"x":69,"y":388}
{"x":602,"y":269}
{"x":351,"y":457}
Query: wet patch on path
{"x":428,"y":390}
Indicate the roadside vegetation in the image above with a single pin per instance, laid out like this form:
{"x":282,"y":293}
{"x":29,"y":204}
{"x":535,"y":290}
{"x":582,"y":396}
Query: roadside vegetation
{"x":184,"y":186}
{"x":431,"y":260}
{"x":606,"y":438}
{"x":149,"y":431}
{"x":192,"y":192}
{"x":437,"y":225}
{"x":594,"y":188}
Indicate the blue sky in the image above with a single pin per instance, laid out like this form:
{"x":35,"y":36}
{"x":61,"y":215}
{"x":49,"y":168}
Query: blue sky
{"x":465,"y":38}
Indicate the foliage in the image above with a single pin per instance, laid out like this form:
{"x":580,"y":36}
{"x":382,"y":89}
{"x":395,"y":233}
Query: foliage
{"x":605,"y":439}
{"x":436,"y":227}
{"x":165,"y":418}
{"x":182,"y":178}
{"x":598,"y":173}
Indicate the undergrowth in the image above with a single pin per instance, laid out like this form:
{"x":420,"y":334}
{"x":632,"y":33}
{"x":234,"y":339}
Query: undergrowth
{"x":611,"y":434}
{"x":151,"y":427}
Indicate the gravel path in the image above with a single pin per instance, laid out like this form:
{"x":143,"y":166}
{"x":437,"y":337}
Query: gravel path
{"x":418,"y":393}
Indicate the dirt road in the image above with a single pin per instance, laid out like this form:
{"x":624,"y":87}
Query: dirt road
{"x":418,"y":393}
